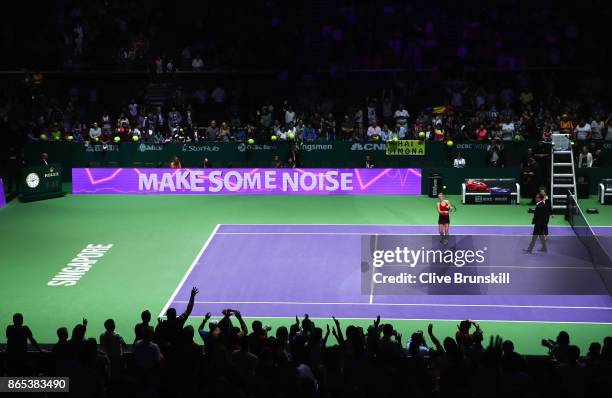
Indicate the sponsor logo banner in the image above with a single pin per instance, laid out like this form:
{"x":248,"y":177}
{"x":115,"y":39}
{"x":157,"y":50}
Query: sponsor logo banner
{"x":102,"y":148}
{"x":150,"y":147}
{"x":199,"y":148}
{"x":247,"y":181}
{"x":406,"y":148}
{"x":368,"y":146}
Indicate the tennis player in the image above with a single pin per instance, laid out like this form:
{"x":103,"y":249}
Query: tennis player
{"x":443,"y":206}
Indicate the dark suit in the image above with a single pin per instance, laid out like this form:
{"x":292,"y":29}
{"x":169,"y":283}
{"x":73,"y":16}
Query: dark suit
{"x":541,"y":216}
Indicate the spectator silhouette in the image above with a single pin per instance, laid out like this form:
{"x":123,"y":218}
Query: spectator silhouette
{"x":139,"y":329}
{"x":257,"y":339}
{"x":113,"y":345}
{"x":61,"y":352}
{"x":91,"y":376}
{"x":77,"y":338}
{"x":168,"y":331}
{"x":17,"y":337}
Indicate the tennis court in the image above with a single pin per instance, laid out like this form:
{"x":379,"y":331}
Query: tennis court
{"x":275,"y":271}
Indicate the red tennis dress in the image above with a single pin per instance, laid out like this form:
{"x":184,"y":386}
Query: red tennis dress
{"x":444,"y":219}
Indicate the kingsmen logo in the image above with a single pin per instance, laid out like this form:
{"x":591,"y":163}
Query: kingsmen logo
{"x":32,"y":180}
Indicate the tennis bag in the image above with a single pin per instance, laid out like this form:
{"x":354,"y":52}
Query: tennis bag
{"x":500,"y":191}
{"x":476,"y":185}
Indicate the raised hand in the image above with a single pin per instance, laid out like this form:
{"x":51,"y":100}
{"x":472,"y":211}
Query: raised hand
{"x":495,"y":343}
{"x":207,"y":316}
{"x":194,"y":291}
{"x":430,"y":328}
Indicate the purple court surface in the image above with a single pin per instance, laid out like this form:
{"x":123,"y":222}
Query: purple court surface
{"x":278,"y":271}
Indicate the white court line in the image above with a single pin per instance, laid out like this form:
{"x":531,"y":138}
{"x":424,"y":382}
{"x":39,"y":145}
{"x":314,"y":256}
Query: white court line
{"x":404,"y":304}
{"x":193,"y":264}
{"x":372,"y":279}
{"x":429,"y":320}
{"x":402,"y":225}
{"x":369,"y":234}
{"x":412,"y":225}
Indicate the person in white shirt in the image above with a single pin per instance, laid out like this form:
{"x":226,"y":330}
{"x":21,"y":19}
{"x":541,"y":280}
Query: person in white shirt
{"x":290,"y":130}
{"x":401,"y":116}
{"x":597,"y":128}
{"x":289,"y":115}
{"x":608,"y":129}
{"x":95,"y":131}
{"x":582,"y":131}
{"x":374,"y":131}
{"x":147,"y":354}
{"x":122,"y":120}
{"x":507,"y":129}
{"x":111,"y":342}
{"x":106,"y":122}
{"x":585,"y":159}
{"x":459,"y":161}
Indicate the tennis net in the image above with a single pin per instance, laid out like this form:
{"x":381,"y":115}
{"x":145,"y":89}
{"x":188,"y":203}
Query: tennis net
{"x":599,"y":255}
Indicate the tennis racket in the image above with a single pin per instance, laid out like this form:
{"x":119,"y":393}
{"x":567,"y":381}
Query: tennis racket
{"x":452,"y":209}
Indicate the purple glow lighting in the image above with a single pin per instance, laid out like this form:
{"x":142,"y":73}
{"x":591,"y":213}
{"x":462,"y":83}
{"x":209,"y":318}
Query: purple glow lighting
{"x":247,"y":181}
{"x":2,"y":198}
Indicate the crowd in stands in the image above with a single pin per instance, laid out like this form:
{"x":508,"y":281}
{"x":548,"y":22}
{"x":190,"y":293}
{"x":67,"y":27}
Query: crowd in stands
{"x":335,"y":35}
{"x":468,"y":114}
{"x":227,"y":357}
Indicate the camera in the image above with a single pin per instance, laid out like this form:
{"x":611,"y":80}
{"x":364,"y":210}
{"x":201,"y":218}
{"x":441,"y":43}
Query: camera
{"x":548,"y":343}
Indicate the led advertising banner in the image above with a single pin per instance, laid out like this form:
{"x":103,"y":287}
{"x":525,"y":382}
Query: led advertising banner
{"x":247,"y":181}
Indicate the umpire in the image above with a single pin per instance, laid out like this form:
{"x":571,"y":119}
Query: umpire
{"x":541,"y":215}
